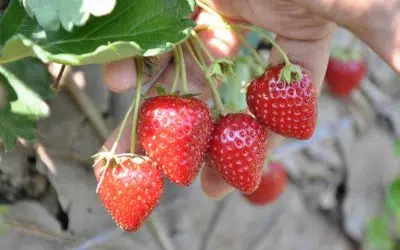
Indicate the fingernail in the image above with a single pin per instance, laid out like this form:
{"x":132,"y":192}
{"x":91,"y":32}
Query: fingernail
{"x":120,"y":76}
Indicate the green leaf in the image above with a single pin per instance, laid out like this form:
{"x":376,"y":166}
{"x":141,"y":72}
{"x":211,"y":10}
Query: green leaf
{"x":31,"y":82}
{"x":13,"y":126}
{"x":11,"y":96}
{"x":34,"y":74}
{"x":378,"y":234}
{"x":221,"y":68}
{"x":161,"y":90}
{"x":50,"y":13}
{"x":135,"y":27}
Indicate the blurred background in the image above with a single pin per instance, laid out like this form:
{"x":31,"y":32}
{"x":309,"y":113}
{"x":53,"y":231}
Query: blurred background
{"x":340,"y":182}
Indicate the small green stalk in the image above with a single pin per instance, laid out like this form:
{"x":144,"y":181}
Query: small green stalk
{"x":252,"y":50}
{"x":251,"y":28}
{"x":203,"y":47}
{"x":183,"y":70}
{"x":193,"y":42}
{"x":177,"y":71}
{"x":139,"y":76}
{"x":197,"y":56}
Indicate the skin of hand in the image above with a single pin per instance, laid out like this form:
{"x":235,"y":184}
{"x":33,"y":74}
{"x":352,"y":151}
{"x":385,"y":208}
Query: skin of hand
{"x":304,"y":30}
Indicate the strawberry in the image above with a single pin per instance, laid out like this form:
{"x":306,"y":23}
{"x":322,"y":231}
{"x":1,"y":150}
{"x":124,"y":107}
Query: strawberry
{"x":174,"y":131}
{"x":272,"y":185}
{"x":130,"y":190}
{"x":284,"y":99}
{"x":237,"y":149}
{"x":345,"y":71}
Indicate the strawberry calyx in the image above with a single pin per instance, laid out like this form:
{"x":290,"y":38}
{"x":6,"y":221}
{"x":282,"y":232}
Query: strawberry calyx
{"x":221,"y":68}
{"x":290,"y":73}
{"x":110,"y":160}
{"x":346,"y":54}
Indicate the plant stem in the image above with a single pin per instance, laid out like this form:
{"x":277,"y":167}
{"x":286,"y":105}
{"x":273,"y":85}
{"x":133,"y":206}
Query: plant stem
{"x":139,"y":81}
{"x":203,"y":47}
{"x":193,"y":54}
{"x":251,"y":28}
{"x":122,"y":126}
{"x":192,"y":42}
{"x":214,"y":92}
{"x":182,"y":70}
{"x":177,"y":70}
{"x":248,"y":45}
{"x":57,"y":81}
{"x":215,"y":95}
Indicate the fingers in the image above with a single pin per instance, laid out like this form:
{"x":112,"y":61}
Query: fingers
{"x":120,"y":76}
{"x":377,"y":23}
{"x":213,"y":185}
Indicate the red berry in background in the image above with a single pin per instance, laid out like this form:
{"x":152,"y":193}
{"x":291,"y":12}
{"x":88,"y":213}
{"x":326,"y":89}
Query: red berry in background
{"x":237,"y":150}
{"x":345,"y":72}
{"x":174,"y":131}
{"x":284,"y":99}
{"x":130,"y":191}
{"x":272,"y":186}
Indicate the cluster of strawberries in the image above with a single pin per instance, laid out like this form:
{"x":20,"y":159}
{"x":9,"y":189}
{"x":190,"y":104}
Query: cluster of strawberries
{"x":178,"y":135}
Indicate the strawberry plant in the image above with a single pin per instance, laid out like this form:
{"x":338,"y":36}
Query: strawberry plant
{"x":178,"y":132}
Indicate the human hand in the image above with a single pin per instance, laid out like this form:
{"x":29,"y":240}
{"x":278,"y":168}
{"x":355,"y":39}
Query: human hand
{"x":303,"y":30}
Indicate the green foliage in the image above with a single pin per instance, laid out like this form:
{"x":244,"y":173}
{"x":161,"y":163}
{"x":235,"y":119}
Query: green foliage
{"x":30,"y":82}
{"x":134,"y":27}
{"x":378,"y":235}
{"x":27,"y":85}
{"x":50,"y":13}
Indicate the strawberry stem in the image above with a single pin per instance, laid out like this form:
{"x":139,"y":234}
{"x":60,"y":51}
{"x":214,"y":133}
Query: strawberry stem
{"x":251,"y":28}
{"x":177,"y":71}
{"x":139,"y":82}
{"x":203,"y":47}
{"x":182,"y":70}
{"x":193,"y":43}
{"x":252,"y":50}
{"x":197,"y":56}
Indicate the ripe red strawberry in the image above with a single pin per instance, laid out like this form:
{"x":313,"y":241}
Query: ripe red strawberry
{"x":174,"y":131}
{"x":284,"y":99}
{"x":272,"y":185}
{"x":237,"y":149}
{"x":345,"y":72}
{"x":130,"y":190}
